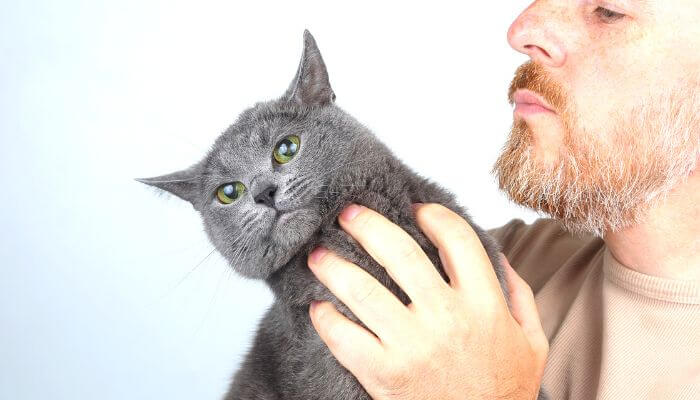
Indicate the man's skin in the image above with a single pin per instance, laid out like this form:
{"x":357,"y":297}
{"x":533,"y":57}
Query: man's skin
{"x":460,"y":337}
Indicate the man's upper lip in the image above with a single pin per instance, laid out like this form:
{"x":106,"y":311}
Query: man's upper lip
{"x":524,"y":96}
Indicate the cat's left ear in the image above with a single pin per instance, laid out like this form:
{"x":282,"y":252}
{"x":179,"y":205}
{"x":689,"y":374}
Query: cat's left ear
{"x":183,"y":184}
{"x":311,"y":86}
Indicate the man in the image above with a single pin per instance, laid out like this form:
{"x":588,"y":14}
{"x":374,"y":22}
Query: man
{"x":606,"y":139}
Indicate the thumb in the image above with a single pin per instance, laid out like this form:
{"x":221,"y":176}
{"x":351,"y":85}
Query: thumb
{"x":524,"y":311}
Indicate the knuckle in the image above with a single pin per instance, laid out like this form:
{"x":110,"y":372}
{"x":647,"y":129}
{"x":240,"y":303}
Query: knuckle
{"x":494,"y":311}
{"x":429,"y":211}
{"x":448,"y":318}
{"x":332,"y":331}
{"x":528,"y":292}
{"x":410,"y":252}
{"x":454,"y":224}
{"x":434,"y":208}
{"x":524,"y":291}
{"x":364,"y":289}
{"x":521,"y":290}
{"x":364,"y":219}
{"x":396,"y":377}
{"x":460,"y":234}
{"x":331,"y":263}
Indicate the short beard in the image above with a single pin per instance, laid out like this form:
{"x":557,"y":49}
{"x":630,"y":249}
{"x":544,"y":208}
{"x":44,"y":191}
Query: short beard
{"x":603,"y":182}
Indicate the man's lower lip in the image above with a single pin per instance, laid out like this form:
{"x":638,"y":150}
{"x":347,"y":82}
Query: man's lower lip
{"x":530,"y":108}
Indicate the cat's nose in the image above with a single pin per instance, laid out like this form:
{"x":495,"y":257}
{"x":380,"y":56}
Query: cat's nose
{"x":266,"y":196}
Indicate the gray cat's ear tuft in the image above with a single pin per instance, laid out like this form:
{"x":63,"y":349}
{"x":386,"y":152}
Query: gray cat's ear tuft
{"x":311,"y":86}
{"x":183,"y":184}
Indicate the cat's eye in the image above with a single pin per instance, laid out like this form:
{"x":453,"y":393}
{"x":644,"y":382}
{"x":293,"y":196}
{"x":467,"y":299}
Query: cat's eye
{"x":286,"y":149}
{"x":230,"y":192}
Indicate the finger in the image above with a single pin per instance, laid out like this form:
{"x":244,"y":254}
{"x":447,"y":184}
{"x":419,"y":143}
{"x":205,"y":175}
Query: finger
{"x":395,"y":250}
{"x":352,"y":345}
{"x":463,"y":256}
{"x":524,"y":310}
{"x":368,"y":299}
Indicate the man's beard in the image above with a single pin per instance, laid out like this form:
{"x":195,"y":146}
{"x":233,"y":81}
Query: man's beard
{"x":602,"y":181}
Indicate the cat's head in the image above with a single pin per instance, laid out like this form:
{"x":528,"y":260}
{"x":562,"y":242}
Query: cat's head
{"x":263,"y":188}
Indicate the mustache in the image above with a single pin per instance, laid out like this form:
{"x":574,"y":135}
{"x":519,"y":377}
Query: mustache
{"x":533,"y":76}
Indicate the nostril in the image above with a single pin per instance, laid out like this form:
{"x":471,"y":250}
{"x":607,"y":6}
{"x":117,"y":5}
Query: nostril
{"x":537,"y":50}
{"x":266,"y":196}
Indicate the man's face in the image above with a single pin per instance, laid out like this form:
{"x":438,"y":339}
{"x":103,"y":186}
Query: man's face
{"x":622,"y":78}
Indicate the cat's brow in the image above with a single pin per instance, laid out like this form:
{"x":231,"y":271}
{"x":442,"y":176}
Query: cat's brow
{"x":263,"y":138}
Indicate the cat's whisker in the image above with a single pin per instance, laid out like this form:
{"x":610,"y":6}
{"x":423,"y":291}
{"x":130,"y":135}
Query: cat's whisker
{"x":195,"y":267}
{"x":240,"y":244}
{"x":238,"y":251}
{"x":243,"y":238}
{"x":209,"y":306}
{"x":235,"y":247}
{"x":320,"y":185}
{"x":240,"y":238}
{"x":187,"y":275}
{"x":242,"y":229}
{"x":241,"y":248}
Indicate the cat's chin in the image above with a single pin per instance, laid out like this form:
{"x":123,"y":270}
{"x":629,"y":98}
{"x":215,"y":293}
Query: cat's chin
{"x":290,"y":230}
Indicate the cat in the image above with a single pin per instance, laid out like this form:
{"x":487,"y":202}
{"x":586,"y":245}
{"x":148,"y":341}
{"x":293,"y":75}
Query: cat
{"x":270,"y":190}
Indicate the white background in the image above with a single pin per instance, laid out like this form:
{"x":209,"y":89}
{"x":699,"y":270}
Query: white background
{"x":99,"y":294}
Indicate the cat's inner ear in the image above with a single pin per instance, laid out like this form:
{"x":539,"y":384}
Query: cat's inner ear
{"x":183,"y":184}
{"x":311,"y":86}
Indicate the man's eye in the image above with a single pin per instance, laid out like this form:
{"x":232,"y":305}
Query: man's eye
{"x":608,"y":16}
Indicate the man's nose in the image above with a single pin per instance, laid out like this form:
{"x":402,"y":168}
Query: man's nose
{"x":534,"y":33}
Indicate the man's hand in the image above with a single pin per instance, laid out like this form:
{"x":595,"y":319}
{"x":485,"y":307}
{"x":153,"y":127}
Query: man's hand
{"x":453,"y":341}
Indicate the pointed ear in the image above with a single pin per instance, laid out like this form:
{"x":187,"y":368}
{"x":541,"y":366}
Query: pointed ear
{"x":183,"y":184}
{"x":311,"y":86}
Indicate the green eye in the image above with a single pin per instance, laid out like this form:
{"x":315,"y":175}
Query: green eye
{"x":230,"y":192}
{"x":286,"y":149}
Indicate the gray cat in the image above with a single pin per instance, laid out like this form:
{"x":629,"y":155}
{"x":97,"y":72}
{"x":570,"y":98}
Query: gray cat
{"x":269,"y":192}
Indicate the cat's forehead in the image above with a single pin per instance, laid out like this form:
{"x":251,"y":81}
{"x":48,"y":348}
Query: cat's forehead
{"x":258,"y":129}
{"x":253,"y":134}
{"x":238,"y":147}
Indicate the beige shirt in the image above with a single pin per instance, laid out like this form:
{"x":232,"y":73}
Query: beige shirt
{"x":614,"y":333}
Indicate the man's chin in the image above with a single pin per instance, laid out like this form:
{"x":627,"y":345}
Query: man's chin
{"x":543,"y":179}
{"x":585,"y":194}
{"x":546,"y":136}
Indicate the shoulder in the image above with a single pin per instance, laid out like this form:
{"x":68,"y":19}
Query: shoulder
{"x":517,"y":236}
{"x":539,"y":249}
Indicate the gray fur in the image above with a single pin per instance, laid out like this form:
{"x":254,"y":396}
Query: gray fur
{"x":339,"y":161}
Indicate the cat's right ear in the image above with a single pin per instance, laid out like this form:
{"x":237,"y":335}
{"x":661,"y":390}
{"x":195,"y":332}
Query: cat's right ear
{"x":311,"y":86}
{"x":183,"y":184}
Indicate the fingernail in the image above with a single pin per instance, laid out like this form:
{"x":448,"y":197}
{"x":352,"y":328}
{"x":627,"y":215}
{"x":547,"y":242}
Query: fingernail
{"x":350,"y":212}
{"x":317,"y":254}
{"x":416,"y":206}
